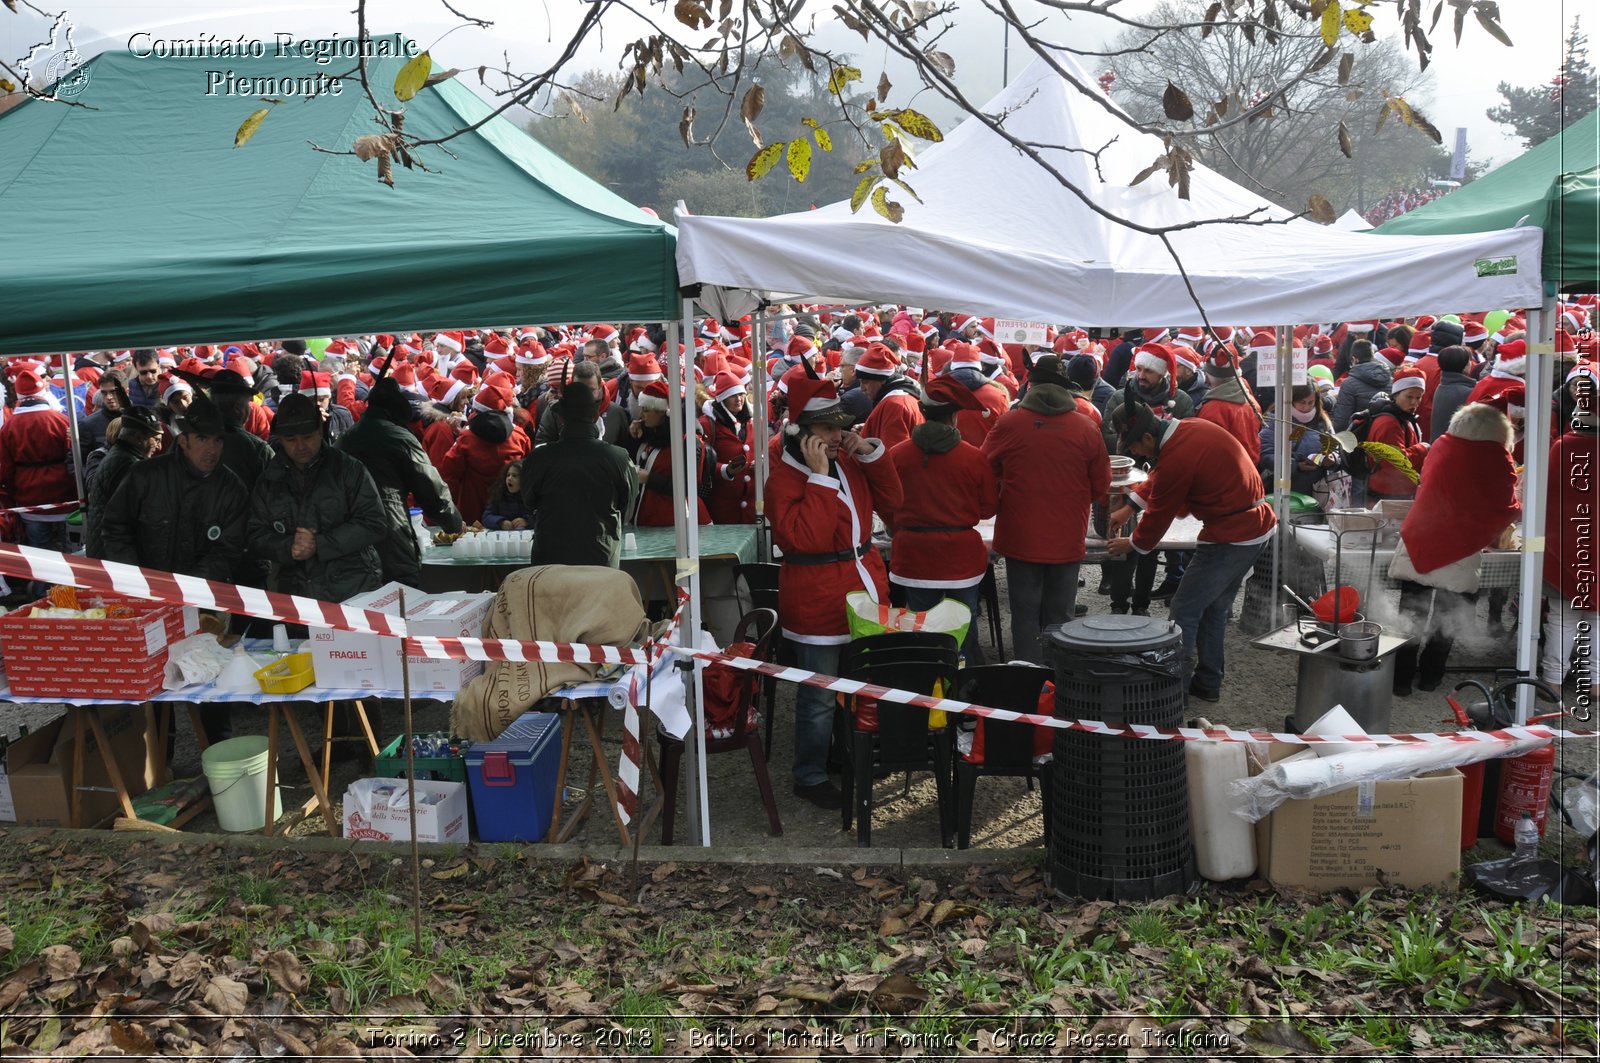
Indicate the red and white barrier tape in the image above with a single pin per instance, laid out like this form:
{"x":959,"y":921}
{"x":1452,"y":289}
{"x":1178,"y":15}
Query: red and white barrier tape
{"x":48,"y":507}
{"x":632,"y":749}
{"x":50,"y":567}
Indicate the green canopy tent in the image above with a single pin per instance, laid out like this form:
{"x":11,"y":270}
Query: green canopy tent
{"x":132,"y":220}
{"x":1555,"y":186}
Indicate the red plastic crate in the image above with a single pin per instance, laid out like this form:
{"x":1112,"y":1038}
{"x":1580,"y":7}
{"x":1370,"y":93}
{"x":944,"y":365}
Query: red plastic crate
{"x":121,"y":658}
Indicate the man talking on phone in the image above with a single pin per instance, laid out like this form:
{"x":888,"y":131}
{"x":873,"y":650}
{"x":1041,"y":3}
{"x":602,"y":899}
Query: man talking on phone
{"x":821,"y":496}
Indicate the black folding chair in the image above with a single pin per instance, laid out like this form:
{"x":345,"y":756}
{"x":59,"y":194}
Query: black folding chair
{"x":760,"y":581}
{"x":1008,"y":747}
{"x":886,"y":736}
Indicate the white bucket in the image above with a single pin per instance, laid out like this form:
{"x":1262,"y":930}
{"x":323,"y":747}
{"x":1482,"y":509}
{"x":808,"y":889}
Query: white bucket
{"x":236,"y":770}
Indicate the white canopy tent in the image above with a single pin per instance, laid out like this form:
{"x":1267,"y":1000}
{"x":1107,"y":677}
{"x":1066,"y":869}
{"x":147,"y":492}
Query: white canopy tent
{"x":998,"y":233}
{"x":1352,"y":222}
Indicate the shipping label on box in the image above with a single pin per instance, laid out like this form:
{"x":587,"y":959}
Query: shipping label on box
{"x":1389,"y":833}
{"x":379,"y":810}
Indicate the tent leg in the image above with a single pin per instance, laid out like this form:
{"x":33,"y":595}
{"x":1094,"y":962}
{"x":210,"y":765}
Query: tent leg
{"x":1535,"y":450}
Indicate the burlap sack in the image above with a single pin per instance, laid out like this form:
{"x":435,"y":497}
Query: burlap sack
{"x":549,"y":603}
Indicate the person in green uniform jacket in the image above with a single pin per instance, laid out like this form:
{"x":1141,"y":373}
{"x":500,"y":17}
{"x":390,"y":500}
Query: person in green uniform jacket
{"x":578,"y":489}
{"x":399,"y":466}
{"x":138,"y":433}
{"x":315,"y":513}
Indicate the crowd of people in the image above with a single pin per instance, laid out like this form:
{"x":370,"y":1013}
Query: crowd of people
{"x":295,"y":465}
{"x":1395,"y":204}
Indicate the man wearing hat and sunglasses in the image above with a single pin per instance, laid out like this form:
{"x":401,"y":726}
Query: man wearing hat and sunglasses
{"x":822,"y":494}
{"x":184,"y":512}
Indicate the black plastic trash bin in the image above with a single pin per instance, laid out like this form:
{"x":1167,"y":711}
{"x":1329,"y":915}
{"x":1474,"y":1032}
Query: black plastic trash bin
{"x":1121,"y":815}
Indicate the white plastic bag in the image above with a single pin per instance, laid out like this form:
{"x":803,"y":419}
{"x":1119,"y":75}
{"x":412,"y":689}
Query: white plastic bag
{"x":197,"y":659}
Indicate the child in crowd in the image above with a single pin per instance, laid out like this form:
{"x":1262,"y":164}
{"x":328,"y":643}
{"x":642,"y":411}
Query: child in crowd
{"x":504,"y":510}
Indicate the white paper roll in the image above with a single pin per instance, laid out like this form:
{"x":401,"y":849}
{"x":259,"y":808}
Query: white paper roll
{"x":1335,"y":723}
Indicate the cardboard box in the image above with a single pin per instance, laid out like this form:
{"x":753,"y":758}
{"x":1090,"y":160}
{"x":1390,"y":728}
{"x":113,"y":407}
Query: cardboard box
{"x":1396,"y":833}
{"x":379,"y":810}
{"x":38,"y":767}
{"x":372,"y":662}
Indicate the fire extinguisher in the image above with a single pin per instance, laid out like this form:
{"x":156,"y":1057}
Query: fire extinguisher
{"x":1525,"y":781}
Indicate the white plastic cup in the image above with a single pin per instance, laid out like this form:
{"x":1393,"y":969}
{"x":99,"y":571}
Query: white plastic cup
{"x":280,"y":638}
{"x":630,"y":541}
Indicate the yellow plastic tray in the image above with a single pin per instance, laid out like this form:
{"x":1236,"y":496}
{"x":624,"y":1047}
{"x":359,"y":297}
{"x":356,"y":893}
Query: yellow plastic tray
{"x":286,"y":675}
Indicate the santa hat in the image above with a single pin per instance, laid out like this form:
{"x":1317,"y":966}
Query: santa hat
{"x":495,"y":398}
{"x":1191,"y":335}
{"x":166,"y":360}
{"x":1322,"y":346}
{"x":948,"y":392}
{"x":1564,"y":343}
{"x":639,"y":339}
{"x":172,"y":387}
{"x":1394,"y":356}
{"x":1424,"y":322}
{"x":242,"y":365}
{"x":1220,"y":363}
{"x":725,"y":385}
{"x":453,"y":342}
{"x":465,"y":372}
{"x":1406,"y":379}
{"x":89,"y":375}
{"x":914,"y":344}
{"x":1156,"y":335}
{"x":1361,"y":328}
{"x":1512,"y":401}
{"x":1584,"y":369}
{"x":1158,"y":358}
{"x":799,"y":346}
{"x":1572,"y":317}
{"x":878,"y":362}
{"x":496,"y":347}
{"x":1473,"y":332}
{"x":1420,"y":344}
{"x":604,"y":332}
{"x":27,"y":385}
{"x":643,"y":368}
{"x":937,"y":362}
{"x":986,"y":327}
{"x":962,"y":322}
{"x":813,"y":400}
{"x":405,"y":375}
{"x":989,"y":353}
{"x":1187,"y":356}
{"x":532,"y":353}
{"x":445,"y":389}
{"x":316,"y":385}
{"x":1511,"y":358}
{"x":1262,"y":343}
{"x":964,"y":356}
{"x":655,"y":396}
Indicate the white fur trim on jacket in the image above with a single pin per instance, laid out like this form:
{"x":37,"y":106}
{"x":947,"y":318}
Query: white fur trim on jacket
{"x":1482,"y":422}
{"x":1460,"y":576}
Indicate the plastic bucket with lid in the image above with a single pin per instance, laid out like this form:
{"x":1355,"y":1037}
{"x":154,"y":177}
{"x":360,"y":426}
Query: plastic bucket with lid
{"x":236,"y":770}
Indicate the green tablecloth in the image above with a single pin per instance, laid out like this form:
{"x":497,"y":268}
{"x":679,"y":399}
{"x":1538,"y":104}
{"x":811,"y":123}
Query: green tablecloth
{"x":736,"y":542}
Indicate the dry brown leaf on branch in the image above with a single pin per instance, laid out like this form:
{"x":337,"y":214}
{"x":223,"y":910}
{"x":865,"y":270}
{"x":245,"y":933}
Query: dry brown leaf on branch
{"x":750,"y":109}
{"x":1175,"y":103}
{"x":1321,"y":210}
{"x":686,"y":127}
{"x":1345,"y":143}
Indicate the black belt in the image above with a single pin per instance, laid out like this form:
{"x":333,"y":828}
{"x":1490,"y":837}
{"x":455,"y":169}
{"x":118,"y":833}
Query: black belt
{"x":941,"y":528}
{"x":827,"y":559}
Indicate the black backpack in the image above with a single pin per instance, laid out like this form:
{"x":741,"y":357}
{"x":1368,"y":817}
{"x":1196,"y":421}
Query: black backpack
{"x":1358,"y":463}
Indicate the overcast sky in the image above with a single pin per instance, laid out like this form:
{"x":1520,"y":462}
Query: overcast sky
{"x":1463,"y":86}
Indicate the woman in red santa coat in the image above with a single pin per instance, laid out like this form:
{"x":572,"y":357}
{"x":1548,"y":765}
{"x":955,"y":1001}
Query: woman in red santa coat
{"x":1395,"y":423}
{"x":821,"y":494}
{"x":947,"y":486}
{"x":733,"y":493}
{"x":488,"y":445}
{"x":650,"y":437}
{"x":896,"y":408}
{"x":1437,"y":561}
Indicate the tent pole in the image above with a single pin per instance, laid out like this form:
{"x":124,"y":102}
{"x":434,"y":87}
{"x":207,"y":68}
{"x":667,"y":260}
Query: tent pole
{"x":692,"y":618}
{"x":1281,"y":451}
{"x":758,"y":420}
{"x":678,"y":362}
{"x":1535,"y":455}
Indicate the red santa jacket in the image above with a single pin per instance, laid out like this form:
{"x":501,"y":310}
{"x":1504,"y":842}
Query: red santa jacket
{"x":733,"y":497}
{"x":438,"y":438}
{"x":1051,"y":465}
{"x":35,"y":468}
{"x":976,"y":425}
{"x":473,"y":462}
{"x":816,"y":516}
{"x":894,"y":415}
{"x":344,"y":394}
{"x":947,"y":486}
{"x":1239,"y":418}
{"x":1446,"y":524}
{"x":258,"y":420}
{"x":1569,"y":520}
{"x":1429,"y":364}
{"x":654,"y":508}
{"x":1406,"y":437}
{"x":1203,"y":470}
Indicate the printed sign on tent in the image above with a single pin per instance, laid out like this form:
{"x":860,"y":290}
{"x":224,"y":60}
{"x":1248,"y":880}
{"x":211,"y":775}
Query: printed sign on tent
{"x":1010,"y":330}
{"x":1267,"y":369}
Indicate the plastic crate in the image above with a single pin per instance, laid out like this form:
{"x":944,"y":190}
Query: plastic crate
{"x":391,"y":764}
{"x":513,"y":779}
{"x":63,"y":657}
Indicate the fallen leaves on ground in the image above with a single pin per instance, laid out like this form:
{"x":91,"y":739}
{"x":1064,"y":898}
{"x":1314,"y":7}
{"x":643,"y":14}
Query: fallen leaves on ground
{"x":156,"y":949}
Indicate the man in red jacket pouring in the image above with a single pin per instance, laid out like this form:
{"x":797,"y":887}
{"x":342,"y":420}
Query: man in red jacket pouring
{"x":821,"y":495}
{"x":1198,"y":467}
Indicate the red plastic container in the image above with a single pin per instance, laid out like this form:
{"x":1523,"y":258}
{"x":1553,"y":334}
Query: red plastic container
{"x":62,"y":657}
{"x":1349,"y":602}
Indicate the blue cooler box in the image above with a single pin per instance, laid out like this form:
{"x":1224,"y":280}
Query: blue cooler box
{"x":513,"y":779}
